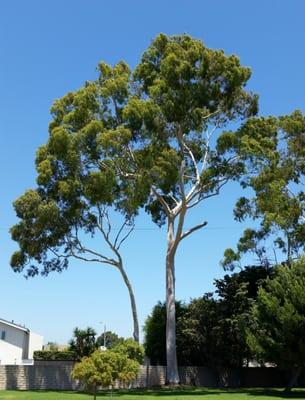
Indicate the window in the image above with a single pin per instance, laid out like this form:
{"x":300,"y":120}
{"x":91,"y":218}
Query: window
{"x":3,"y":334}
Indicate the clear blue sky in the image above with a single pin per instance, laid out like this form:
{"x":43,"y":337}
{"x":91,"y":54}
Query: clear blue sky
{"x":51,"y":47}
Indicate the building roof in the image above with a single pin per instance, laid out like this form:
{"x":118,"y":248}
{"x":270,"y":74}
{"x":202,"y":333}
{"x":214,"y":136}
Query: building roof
{"x":14,"y":325}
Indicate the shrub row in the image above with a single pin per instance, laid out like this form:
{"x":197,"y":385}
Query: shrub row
{"x":55,"y":355}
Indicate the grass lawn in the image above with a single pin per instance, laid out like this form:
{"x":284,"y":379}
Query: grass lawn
{"x":188,"y":394}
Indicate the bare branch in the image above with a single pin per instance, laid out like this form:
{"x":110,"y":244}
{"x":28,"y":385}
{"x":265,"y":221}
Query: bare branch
{"x":182,"y":165}
{"x":212,"y":114}
{"x":174,"y":199}
{"x":192,"y":193}
{"x":195,"y":228}
{"x":108,"y":261}
{"x":119,"y":233}
{"x":202,"y":197}
{"x":106,"y":217}
{"x":118,"y":118}
{"x":125,"y":237}
{"x":105,"y":235}
{"x":162,"y":201}
{"x":180,"y":225}
{"x":57,"y":254}
{"x":207,"y":148}
{"x":194,"y":190}
{"x":103,"y":260}
{"x":193,"y":161}
{"x":82,"y":250}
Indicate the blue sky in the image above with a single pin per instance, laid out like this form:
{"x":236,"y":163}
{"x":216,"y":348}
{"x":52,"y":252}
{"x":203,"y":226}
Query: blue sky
{"x":51,"y":47}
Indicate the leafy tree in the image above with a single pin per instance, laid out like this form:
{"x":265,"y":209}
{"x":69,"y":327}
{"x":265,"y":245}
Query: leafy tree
{"x":132,"y":349}
{"x":132,"y":139}
{"x":155,"y":333}
{"x":214,"y":333}
{"x":104,"y":368}
{"x":83,"y":342}
{"x":184,"y":93}
{"x":278,"y":204}
{"x":248,"y":280}
{"x":211,"y":330}
{"x":277,"y":333}
{"x":110,"y":338}
{"x":76,"y":195}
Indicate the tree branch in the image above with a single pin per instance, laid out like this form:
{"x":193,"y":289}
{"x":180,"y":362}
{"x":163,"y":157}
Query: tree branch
{"x":106,"y":234}
{"x":83,"y":249}
{"x":195,"y":228}
{"x":182,"y":165}
{"x":119,"y":233}
{"x":125,"y":237}
{"x":212,"y":114}
{"x":162,"y":201}
{"x":101,"y":259}
{"x":193,"y":161}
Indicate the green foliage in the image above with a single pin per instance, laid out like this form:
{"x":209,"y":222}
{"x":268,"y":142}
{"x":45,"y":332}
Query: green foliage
{"x":277,"y":332}
{"x":132,"y":349}
{"x":115,"y":138}
{"x":104,"y":368}
{"x":211,"y":330}
{"x":55,"y":355}
{"x":189,"y":81}
{"x":138,"y":139}
{"x":274,"y":150}
{"x":111,"y":339}
{"x":83,"y":342}
{"x":154,"y":330}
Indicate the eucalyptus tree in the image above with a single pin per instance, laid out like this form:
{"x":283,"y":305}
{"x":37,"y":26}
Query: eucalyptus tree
{"x":185,"y":95}
{"x":151,"y":138}
{"x":75,"y":199}
{"x":278,"y":202}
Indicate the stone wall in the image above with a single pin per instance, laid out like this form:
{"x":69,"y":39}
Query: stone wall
{"x":56,"y":375}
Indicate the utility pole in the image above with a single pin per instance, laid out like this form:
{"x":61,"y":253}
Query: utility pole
{"x":101,"y":322}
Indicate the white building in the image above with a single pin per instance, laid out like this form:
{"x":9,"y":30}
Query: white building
{"x":17,"y":343}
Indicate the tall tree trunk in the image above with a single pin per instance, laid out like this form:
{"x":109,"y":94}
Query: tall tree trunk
{"x":171,"y":351}
{"x":132,"y":302}
{"x":295,"y":373}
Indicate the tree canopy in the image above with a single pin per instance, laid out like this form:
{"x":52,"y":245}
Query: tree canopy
{"x":104,"y":368}
{"x":277,"y":330}
{"x":211,"y":329}
{"x":156,"y":137}
{"x":278,"y":204}
{"x":83,"y":342}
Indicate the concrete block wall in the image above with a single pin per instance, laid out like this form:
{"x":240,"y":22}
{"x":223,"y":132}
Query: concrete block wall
{"x":56,"y":375}
{"x":32,"y":377}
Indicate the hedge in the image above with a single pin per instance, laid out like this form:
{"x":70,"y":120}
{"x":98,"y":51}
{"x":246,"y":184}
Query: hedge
{"x":49,"y":355}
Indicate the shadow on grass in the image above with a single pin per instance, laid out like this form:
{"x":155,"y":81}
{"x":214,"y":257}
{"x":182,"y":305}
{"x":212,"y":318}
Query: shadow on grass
{"x":272,"y":393}
{"x":255,"y":392}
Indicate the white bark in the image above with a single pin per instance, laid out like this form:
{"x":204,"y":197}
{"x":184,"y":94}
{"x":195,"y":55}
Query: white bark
{"x":171,"y":353}
{"x":136,"y":333}
{"x":178,"y":212}
{"x":80,"y":252}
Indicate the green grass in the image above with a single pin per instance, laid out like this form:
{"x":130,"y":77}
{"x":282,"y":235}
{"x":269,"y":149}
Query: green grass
{"x":187,"y":394}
